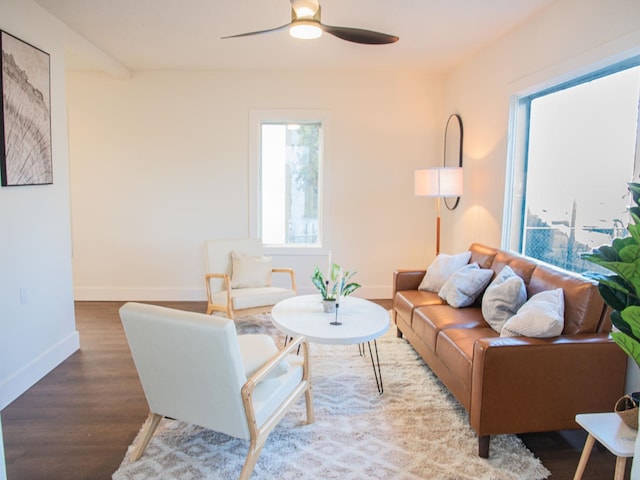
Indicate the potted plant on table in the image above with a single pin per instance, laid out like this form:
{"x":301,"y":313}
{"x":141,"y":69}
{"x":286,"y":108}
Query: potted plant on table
{"x":336,"y":285}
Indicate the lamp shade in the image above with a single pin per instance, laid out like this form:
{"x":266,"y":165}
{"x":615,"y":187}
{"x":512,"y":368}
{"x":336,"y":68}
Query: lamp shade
{"x":438,"y":182}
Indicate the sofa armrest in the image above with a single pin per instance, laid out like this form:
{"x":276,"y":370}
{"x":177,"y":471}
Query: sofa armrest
{"x":407,"y":280}
{"x":522,"y":384}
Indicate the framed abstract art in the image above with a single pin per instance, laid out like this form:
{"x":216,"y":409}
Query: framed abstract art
{"x":25,"y":125}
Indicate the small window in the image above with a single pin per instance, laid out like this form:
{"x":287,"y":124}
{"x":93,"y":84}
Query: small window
{"x":289,"y":170}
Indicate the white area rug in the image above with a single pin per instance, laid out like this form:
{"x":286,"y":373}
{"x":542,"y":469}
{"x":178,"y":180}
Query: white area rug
{"x":415,"y":430}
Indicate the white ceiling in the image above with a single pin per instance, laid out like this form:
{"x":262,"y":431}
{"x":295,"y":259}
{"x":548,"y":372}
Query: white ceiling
{"x":185,"y":34}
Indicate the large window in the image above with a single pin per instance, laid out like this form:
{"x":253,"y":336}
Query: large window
{"x":577,"y":153}
{"x":288,"y":181}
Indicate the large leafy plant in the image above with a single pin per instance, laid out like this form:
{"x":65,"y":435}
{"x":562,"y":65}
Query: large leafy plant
{"x":337,"y":284}
{"x":621,"y":290}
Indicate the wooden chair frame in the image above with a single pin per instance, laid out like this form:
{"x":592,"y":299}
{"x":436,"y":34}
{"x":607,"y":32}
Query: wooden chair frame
{"x":228,"y":308}
{"x":258,"y":433}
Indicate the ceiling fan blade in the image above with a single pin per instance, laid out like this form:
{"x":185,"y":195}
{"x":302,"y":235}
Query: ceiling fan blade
{"x":259,"y":32}
{"x":358,"y":35}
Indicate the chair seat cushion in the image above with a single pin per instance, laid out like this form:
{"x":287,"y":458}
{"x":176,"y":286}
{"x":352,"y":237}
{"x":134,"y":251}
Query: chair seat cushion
{"x":253,"y":297}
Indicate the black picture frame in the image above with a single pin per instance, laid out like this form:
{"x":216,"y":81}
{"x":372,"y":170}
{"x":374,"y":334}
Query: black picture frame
{"x":25,"y":123}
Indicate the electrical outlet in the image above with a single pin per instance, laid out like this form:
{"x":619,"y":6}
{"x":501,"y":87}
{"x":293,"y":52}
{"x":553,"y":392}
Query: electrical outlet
{"x":23,"y":296}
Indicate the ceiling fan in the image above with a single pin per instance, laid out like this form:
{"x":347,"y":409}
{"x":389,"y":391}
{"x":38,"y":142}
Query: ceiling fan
{"x":305,"y":23}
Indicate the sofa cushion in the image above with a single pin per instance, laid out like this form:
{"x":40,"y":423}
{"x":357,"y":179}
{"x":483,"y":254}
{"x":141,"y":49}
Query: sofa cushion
{"x":465,"y":285}
{"x":455,"y":349}
{"x":583,"y":304}
{"x":441,"y":269}
{"x":502,"y":298}
{"x":429,"y":320}
{"x":521,"y":266}
{"x":482,"y":255}
{"x":406,"y":301}
{"x":542,"y":316}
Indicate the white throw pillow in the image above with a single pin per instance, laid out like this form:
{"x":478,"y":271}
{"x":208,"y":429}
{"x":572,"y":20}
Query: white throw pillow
{"x":441,"y":269}
{"x":541,"y":317}
{"x":258,"y":349}
{"x":465,"y":285}
{"x":503,"y":298}
{"x":250,"y":272}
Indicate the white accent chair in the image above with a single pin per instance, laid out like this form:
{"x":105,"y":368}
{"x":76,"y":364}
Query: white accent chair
{"x":224,"y":296}
{"x":192,"y":368}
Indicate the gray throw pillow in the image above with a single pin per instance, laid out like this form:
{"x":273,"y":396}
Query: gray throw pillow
{"x":541,"y":317}
{"x":502,"y":298}
{"x":465,"y":285}
{"x":441,"y":269}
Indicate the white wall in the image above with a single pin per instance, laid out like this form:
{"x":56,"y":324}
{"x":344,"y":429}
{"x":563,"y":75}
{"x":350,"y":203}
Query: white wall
{"x":567,"y":38}
{"x":38,"y":331}
{"x":159,"y":164}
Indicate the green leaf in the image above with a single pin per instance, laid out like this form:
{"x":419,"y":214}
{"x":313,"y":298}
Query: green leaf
{"x":616,"y":299}
{"x":634,"y":189}
{"x":319,"y":282}
{"x":631,"y":317}
{"x":634,"y":230}
{"x":628,"y":344}
{"x":635,"y":214}
{"x":630,"y":271}
{"x":350,"y":288}
{"x":620,"y":243}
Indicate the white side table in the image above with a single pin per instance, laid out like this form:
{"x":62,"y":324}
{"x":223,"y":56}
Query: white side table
{"x":612,"y":433}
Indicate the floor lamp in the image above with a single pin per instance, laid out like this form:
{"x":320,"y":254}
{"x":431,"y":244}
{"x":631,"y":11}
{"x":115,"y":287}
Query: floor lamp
{"x":438,"y":182}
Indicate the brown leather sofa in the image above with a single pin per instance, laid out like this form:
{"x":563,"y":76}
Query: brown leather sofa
{"x":515,"y":384}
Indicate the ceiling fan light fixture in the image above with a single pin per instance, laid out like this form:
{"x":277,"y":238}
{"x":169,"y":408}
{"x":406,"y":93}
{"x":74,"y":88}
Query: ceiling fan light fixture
{"x":305,"y":29}
{"x":305,"y":12}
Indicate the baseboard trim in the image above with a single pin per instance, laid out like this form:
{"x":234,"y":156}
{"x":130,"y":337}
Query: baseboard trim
{"x":133,"y":294}
{"x":30,"y":374}
{"x":106,"y":294}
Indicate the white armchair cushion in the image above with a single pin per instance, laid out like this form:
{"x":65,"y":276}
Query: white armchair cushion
{"x":258,"y":349}
{"x":253,"y":297}
{"x":248,"y":271}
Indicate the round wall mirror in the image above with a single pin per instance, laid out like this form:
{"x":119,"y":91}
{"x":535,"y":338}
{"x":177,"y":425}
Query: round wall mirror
{"x":453,"y":149}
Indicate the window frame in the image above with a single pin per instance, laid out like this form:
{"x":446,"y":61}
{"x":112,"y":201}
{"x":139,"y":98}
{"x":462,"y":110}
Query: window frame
{"x":256,"y":119}
{"x":514,"y":215}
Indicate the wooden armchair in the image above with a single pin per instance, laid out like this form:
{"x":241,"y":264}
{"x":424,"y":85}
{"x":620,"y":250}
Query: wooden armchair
{"x":238,"y":277}
{"x":195,"y":368}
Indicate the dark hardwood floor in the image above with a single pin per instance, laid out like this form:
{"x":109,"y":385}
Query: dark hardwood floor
{"x":77,"y":422}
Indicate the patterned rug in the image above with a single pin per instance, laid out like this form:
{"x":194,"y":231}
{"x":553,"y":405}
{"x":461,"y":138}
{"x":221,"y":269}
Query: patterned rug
{"x":415,"y":430}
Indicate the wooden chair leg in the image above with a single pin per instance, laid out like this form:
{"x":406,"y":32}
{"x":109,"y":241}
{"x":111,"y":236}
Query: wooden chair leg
{"x":145,"y":436}
{"x":252,"y":458}
{"x":308,"y":397}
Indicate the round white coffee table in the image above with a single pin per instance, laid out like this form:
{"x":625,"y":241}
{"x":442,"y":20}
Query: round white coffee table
{"x":361,"y":321}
